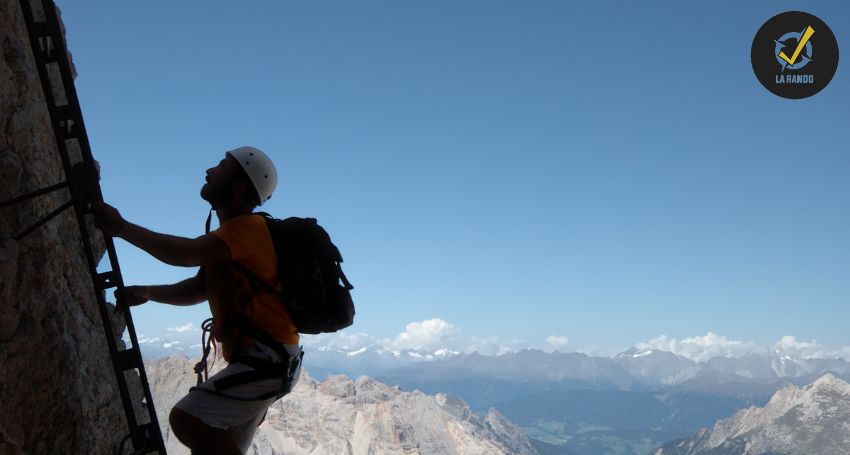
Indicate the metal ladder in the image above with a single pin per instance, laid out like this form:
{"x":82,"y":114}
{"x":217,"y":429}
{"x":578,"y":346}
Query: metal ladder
{"x":82,"y":180}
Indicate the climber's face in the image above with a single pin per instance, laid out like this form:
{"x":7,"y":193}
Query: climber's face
{"x":219,"y":181}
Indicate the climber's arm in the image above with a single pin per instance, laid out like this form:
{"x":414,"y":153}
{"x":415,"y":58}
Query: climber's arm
{"x":190,"y":291}
{"x":187,"y":292}
{"x":179,"y":251}
{"x":173,"y":250}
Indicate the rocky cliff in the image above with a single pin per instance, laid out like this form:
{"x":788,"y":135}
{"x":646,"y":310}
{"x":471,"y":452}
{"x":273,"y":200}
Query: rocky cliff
{"x":797,"y":421}
{"x":341,"y":416}
{"x":57,"y":389}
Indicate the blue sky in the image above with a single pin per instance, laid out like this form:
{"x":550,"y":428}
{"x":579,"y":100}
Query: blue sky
{"x":606,"y":172}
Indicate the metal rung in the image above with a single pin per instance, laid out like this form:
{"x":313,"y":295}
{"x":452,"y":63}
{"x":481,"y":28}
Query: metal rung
{"x":65,"y":112}
{"x":106,"y":280}
{"x":128,"y":359}
{"x":46,"y":218}
{"x":40,"y":29}
{"x":33,"y":194}
{"x":69,"y":129}
{"x":47,"y":49}
{"x":49,"y":55}
{"x":84,"y":181}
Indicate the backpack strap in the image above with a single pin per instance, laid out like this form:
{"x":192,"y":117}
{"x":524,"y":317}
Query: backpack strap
{"x":247,"y":327}
{"x":348,"y":285}
{"x":255,"y":280}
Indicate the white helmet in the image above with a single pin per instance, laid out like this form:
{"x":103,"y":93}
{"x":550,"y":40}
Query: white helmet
{"x":259,"y":168}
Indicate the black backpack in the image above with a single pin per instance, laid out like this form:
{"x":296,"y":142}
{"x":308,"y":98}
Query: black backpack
{"x":315,"y":290}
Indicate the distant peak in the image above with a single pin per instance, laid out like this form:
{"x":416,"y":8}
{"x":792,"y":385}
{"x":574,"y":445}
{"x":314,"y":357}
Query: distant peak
{"x":629,"y":352}
{"x":829,"y":380}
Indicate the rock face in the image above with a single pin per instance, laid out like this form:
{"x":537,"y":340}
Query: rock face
{"x":341,"y":416}
{"x":58,"y":392}
{"x":811,"y":420}
{"x":512,"y":435}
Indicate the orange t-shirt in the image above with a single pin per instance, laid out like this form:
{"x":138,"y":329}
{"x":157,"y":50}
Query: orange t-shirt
{"x":229,"y":291}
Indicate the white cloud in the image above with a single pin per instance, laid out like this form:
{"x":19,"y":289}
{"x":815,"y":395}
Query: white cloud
{"x":427,"y":335}
{"x":168,"y":344}
{"x":439,"y":337}
{"x":555,"y":343}
{"x":700,"y":348}
{"x":431,"y":337}
{"x":339,"y":341}
{"x":492,"y":345}
{"x":445,"y":352}
{"x":790,"y":346}
{"x":188,"y":327}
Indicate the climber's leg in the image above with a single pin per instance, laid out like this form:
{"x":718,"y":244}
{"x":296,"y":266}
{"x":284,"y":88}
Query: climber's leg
{"x":200,"y":437}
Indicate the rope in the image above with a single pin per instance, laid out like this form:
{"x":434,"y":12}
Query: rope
{"x":202,"y":369}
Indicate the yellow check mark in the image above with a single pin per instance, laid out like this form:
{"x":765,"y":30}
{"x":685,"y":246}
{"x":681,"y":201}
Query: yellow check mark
{"x":806,"y":35}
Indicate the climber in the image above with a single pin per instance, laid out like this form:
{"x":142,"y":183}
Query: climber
{"x":207,"y":420}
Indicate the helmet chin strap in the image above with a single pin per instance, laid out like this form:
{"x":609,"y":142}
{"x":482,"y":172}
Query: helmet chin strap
{"x":216,"y":200}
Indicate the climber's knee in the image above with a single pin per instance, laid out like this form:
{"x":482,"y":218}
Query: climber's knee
{"x":200,"y":437}
{"x":181,"y":425}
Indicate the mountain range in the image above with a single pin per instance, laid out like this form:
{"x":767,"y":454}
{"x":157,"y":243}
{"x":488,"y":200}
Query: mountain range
{"x":814,"y":419}
{"x":628,"y":404}
{"x":632,"y":369}
{"x":575,"y":403}
{"x":344,"y":416}
{"x":341,"y":415}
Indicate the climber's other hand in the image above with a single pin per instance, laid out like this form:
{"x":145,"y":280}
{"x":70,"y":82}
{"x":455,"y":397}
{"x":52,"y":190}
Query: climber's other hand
{"x":107,"y":218}
{"x":133,"y":295}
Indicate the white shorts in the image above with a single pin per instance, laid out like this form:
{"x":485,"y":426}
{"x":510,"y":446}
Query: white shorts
{"x":240,"y":418}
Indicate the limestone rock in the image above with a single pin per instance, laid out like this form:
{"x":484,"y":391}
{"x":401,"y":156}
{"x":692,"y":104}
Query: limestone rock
{"x":796,"y":421}
{"x":58,"y":393}
{"x":341,"y":416}
{"x":513,"y":436}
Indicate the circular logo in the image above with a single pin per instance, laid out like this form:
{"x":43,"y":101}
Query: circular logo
{"x":794,"y":55}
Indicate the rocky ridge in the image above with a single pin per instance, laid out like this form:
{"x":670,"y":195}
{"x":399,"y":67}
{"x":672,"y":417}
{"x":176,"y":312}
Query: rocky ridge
{"x":814,"y":419}
{"x":363,"y":416}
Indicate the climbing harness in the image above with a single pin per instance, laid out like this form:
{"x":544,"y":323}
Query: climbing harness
{"x":262,"y":369}
{"x":48,"y":48}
